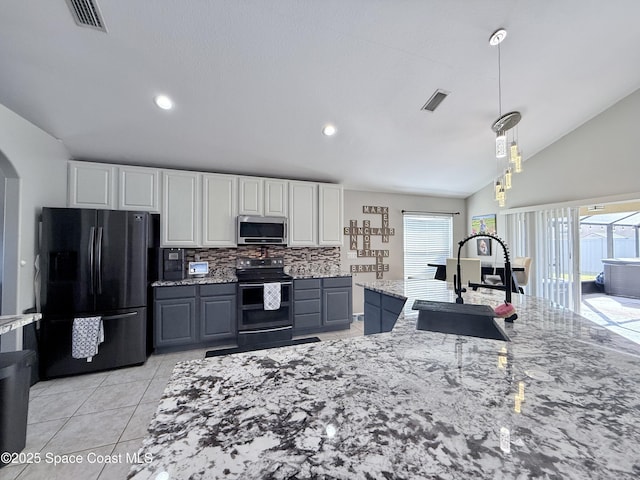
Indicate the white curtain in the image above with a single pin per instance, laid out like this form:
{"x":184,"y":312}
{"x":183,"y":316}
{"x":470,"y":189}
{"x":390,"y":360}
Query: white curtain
{"x":551,"y":238}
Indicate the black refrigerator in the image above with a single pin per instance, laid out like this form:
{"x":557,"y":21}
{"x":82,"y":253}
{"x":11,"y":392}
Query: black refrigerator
{"x":93,"y":263}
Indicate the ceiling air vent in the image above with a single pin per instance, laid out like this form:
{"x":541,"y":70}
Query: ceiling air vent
{"x":435,"y":100}
{"x":86,"y":14}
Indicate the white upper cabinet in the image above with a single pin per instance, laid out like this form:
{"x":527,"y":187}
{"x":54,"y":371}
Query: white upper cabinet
{"x":276,"y":198}
{"x":138,"y":189}
{"x":219,"y":210}
{"x":303,"y":214}
{"x":91,"y":185}
{"x":330,"y":214}
{"x":250,"y":196}
{"x":200,"y":209}
{"x":180,"y":216}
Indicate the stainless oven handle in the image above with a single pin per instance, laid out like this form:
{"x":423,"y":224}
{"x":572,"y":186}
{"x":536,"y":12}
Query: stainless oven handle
{"x":261,"y":284}
{"x":278,"y":329}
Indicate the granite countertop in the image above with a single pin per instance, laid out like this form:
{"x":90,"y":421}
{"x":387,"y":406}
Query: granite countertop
{"x":11,"y":322}
{"x":329,"y":274}
{"x":209,"y":279}
{"x":228,"y":277}
{"x":557,"y":401}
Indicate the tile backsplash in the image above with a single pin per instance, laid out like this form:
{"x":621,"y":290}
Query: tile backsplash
{"x":296,"y":259}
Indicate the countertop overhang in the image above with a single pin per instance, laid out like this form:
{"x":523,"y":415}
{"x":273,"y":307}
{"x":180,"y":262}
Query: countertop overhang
{"x":12,"y":322}
{"x":557,"y":401}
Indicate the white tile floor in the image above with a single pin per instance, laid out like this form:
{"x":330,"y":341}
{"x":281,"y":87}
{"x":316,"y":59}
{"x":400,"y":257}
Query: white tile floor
{"x":104,"y":414}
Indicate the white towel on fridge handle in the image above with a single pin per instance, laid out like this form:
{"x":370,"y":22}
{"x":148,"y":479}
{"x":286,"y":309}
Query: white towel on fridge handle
{"x":87,"y":334}
{"x":272,"y":297}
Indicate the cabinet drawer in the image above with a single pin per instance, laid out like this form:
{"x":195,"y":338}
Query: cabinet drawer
{"x":306,"y":283}
{"x":218,"y":289}
{"x":183,"y":291}
{"x":310,"y":320}
{"x":336,"y":282}
{"x":302,"y":307}
{"x":307,"y":294}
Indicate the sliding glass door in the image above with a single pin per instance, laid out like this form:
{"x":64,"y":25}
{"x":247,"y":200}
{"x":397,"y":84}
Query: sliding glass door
{"x":551,"y":238}
{"x":558,"y":248}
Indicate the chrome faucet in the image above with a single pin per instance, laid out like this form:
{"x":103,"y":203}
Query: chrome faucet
{"x":508,"y":277}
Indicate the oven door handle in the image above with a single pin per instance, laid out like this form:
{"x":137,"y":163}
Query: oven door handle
{"x":265,"y":330}
{"x":262,"y":284}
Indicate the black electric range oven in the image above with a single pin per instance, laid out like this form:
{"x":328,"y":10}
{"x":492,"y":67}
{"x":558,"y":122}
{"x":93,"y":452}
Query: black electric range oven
{"x":260,"y":323}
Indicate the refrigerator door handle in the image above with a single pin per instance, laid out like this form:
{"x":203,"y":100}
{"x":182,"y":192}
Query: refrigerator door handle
{"x":122,"y":315}
{"x":99,"y":260}
{"x":92,"y":234}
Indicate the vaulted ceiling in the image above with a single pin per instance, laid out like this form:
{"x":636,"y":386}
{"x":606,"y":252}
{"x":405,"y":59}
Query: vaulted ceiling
{"x":255,"y":81}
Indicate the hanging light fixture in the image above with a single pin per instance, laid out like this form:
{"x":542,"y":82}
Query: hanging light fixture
{"x":508,"y":155}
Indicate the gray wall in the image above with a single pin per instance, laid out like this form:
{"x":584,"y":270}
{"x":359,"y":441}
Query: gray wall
{"x":354,"y":201}
{"x":598,"y":160}
{"x":39,"y":161}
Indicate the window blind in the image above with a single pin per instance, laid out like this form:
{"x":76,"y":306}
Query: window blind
{"x":428,"y":238}
{"x":551,"y":238}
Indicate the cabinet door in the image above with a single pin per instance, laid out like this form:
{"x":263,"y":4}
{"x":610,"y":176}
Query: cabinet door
{"x":330,"y":207}
{"x":251,"y":196}
{"x":91,"y":185}
{"x":336,"y":306}
{"x":303,"y":214}
{"x":175,"y":322}
{"x":372,"y":312}
{"x":219,"y":210}
{"x":276,"y":195}
{"x":138,"y":189}
{"x":180,"y":216}
{"x":218,"y":318}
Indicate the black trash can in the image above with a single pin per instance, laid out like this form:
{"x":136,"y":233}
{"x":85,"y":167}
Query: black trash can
{"x":15,"y":379}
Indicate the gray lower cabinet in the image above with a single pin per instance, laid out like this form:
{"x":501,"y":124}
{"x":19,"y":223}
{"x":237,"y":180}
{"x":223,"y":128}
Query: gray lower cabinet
{"x":322,"y":304}
{"x":336,"y":302}
{"x":199,"y":315}
{"x":194,"y":315}
{"x":380,"y":311}
{"x":218,"y":312}
{"x":307,"y":305}
{"x":174,"y":314}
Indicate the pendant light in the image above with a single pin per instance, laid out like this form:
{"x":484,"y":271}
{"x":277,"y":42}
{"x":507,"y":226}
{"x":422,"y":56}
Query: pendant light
{"x":508,"y":155}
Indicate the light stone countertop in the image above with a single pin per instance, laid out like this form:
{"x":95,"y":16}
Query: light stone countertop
{"x":209,"y":279}
{"x":558,"y":401}
{"x":228,"y":278}
{"x":11,"y":322}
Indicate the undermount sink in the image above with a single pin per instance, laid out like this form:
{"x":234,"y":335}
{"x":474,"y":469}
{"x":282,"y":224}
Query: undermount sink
{"x":458,"y":319}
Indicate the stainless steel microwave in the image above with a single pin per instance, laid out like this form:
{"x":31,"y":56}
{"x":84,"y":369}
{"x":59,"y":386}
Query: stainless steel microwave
{"x":254,"y":230}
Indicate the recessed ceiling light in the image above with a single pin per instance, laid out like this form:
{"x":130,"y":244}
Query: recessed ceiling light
{"x":163,"y":102}
{"x":329,"y":130}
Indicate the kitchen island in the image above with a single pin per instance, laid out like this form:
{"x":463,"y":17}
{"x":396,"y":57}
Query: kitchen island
{"x":557,"y":401}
